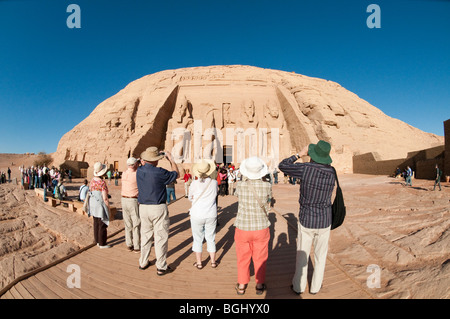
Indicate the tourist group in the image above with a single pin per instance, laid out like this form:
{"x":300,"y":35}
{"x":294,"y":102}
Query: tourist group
{"x":146,"y":216}
{"x":49,"y":179}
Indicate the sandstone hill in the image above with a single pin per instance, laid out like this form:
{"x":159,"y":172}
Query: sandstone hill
{"x":188,"y":111}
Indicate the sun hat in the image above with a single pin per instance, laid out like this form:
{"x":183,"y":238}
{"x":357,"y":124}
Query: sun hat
{"x":151,"y":154}
{"x":100,"y":169}
{"x":206,"y":166}
{"x":131,"y":161}
{"x":320,"y":152}
{"x":254,"y":168}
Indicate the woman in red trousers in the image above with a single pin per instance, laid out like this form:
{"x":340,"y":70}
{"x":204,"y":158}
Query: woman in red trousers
{"x":252,"y":233}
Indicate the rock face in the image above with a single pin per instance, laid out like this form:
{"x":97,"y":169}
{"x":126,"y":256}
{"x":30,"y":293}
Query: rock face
{"x":231,"y":112}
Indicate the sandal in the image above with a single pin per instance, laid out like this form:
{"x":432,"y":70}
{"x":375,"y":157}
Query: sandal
{"x":198,"y":266}
{"x":260,"y":291}
{"x":162,"y":272}
{"x":240,"y":291}
{"x":214,"y":264}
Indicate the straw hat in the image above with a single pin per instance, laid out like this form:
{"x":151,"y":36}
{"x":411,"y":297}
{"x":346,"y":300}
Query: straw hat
{"x":206,"y":167}
{"x":151,"y":154}
{"x":320,"y":152}
{"x":131,"y":161}
{"x":100,"y":169}
{"x":254,"y":168}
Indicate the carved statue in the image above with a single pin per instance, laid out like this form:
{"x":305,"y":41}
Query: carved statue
{"x":249,"y":110}
{"x":227,"y":117}
{"x":182,"y":109}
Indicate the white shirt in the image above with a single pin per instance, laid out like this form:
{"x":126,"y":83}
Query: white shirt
{"x":231,"y":176}
{"x":205,"y":206}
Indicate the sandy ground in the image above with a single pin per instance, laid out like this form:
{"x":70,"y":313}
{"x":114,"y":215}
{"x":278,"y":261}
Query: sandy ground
{"x":395,"y":238}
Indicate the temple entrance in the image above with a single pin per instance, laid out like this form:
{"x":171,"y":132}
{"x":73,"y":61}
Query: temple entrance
{"x":227,"y":154}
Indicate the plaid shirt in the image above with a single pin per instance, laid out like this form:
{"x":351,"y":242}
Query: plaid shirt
{"x":250,"y":215}
{"x":316,"y":188}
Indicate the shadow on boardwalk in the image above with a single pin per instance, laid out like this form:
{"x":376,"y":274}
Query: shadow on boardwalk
{"x":225,"y":215}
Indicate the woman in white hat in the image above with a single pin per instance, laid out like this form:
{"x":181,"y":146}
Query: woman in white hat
{"x":99,"y":204}
{"x":203,"y":194}
{"x":252,"y":233}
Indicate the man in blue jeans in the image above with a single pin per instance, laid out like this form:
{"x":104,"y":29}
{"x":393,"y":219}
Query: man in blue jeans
{"x":409,"y":174}
{"x":171,"y":191}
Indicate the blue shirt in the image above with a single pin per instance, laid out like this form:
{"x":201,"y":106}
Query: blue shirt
{"x":316,"y":188}
{"x":151,"y":182}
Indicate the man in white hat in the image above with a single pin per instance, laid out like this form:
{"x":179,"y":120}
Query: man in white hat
{"x":152,"y":181}
{"x":130,"y":206}
{"x":252,"y":223}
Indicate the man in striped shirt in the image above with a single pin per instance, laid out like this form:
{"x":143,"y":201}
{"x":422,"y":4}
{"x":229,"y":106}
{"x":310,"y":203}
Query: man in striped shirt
{"x":317,"y":181}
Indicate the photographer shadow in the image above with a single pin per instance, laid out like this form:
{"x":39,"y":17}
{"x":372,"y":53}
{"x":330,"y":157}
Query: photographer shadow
{"x":282,"y":259}
{"x":224,"y":216}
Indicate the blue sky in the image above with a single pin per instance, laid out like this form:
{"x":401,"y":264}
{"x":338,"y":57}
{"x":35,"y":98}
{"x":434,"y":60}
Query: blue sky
{"x":52,"y":77}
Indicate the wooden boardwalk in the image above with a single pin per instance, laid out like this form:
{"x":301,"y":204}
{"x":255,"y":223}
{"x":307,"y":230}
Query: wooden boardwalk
{"x":114,"y":273}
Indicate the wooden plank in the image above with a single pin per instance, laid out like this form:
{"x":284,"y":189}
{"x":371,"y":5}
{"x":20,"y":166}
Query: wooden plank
{"x":45,"y":287}
{"x":62,"y":275}
{"x":23,"y":291}
{"x":127,"y":286}
{"x":35,"y":288}
{"x":92,"y":288}
{"x":7,"y":295}
{"x":114,"y":273}
{"x":15,"y":293}
{"x":58,"y":286}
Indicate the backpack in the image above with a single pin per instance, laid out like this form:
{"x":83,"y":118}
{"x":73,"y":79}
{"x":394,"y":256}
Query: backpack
{"x":79,"y":193}
{"x":338,"y":208}
{"x":57,"y":192}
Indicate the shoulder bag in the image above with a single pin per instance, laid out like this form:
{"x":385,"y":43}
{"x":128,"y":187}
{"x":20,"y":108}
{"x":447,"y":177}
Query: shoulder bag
{"x":204,"y":190}
{"x":257,"y":198}
{"x":338,"y":207}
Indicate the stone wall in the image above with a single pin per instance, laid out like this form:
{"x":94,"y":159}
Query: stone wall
{"x":426,"y":169}
{"x":422,"y":163}
{"x":78,"y":168}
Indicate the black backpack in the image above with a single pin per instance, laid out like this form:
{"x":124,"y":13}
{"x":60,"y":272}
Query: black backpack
{"x":338,"y":207}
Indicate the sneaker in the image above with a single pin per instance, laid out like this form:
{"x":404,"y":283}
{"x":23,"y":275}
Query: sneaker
{"x":130,"y":248}
{"x":106,"y":246}
{"x":136,"y":251}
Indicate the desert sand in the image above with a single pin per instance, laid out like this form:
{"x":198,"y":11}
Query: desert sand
{"x":404,"y":231}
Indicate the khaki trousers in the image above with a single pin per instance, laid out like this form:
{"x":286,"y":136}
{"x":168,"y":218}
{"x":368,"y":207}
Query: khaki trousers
{"x":306,"y":238}
{"x":154,"y":229}
{"x":130,"y":212}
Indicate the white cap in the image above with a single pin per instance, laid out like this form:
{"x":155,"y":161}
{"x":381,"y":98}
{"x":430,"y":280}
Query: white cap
{"x":131,"y":161}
